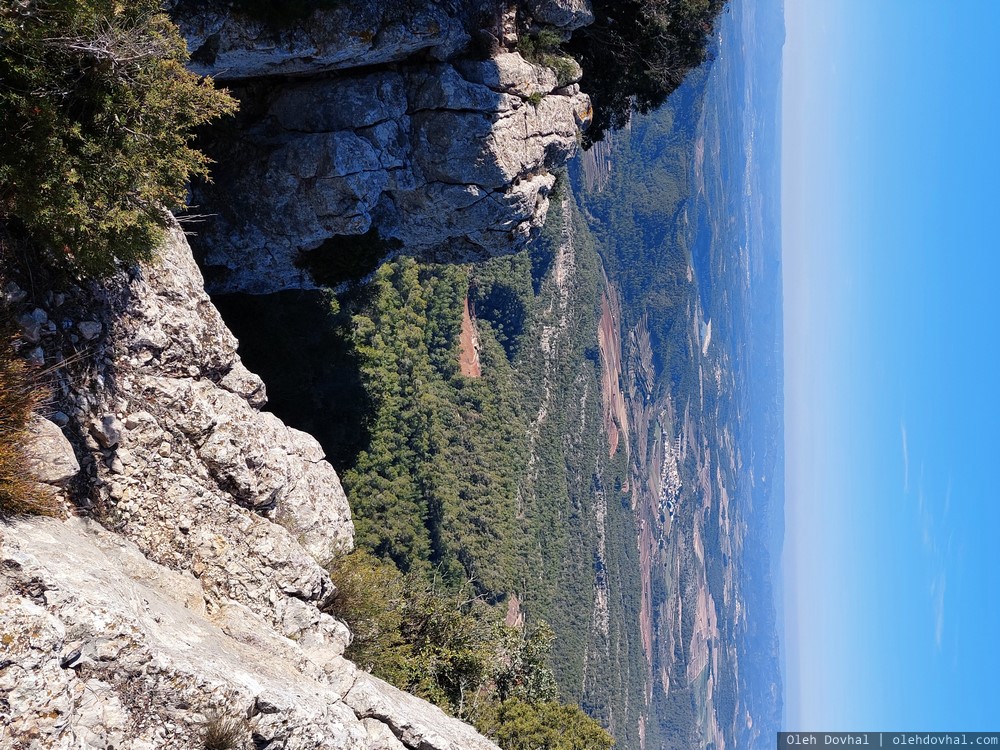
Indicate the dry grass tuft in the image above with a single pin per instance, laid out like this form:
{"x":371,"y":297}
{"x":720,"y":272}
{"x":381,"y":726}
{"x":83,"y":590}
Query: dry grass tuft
{"x":225,"y":733}
{"x":21,"y":391}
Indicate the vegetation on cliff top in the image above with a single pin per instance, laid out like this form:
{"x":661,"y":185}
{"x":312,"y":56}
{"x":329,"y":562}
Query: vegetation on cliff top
{"x":637,"y":52}
{"x":97,"y":110}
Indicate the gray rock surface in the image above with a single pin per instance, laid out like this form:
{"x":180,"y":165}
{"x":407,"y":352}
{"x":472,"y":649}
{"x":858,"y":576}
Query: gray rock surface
{"x":449,"y":161}
{"x":31,"y":325}
{"x":233,"y":46}
{"x":261,"y":507}
{"x":105,"y":649}
{"x":410,"y":719}
{"x":89,"y":329}
{"x":566,"y":14}
{"x":50,"y":455}
{"x":106,"y":431}
{"x":229,"y":45}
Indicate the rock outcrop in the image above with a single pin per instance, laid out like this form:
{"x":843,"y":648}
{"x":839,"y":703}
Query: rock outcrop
{"x":200,"y":598}
{"x":103,"y":648}
{"x":231,"y":44}
{"x":443,"y":153}
{"x":331,"y":159}
{"x":183,"y":462}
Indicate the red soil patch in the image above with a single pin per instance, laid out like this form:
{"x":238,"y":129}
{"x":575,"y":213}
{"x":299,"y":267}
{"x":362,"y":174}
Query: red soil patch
{"x":647,"y":546}
{"x":612,"y":398}
{"x":468,"y":356}
{"x":515,"y":617}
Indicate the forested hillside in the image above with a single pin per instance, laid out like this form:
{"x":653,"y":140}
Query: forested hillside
{"x":499,"y":485}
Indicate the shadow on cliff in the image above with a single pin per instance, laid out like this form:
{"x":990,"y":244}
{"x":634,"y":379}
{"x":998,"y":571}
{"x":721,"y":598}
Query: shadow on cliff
{"x":297,"y":342}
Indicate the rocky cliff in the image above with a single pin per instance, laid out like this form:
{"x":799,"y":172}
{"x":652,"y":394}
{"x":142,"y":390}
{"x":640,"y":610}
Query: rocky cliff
{"x":416,"y":127}
{"x":199,"y":598}
{"x":184,"y":591}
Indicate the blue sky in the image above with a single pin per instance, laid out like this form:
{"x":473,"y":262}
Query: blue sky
{"x":891,"y":262}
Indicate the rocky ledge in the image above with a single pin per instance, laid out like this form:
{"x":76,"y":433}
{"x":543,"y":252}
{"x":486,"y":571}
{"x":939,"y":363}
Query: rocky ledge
{"x":199,"y":596}
{"x":233,"y":44}
{"x":415,"y":137}
{"x":103,"y":648}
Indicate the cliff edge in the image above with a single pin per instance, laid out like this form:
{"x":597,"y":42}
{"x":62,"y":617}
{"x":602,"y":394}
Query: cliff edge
{"x":199,"y":599}
{"x":421,"y":128}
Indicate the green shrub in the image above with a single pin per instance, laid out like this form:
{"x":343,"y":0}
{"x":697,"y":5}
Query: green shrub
{"x":521,"y":668}
{"x":97,"y":110}
{"x":410,"y":633}
{"x":532,"y":47}
{"x":515,"y":724}
{"x":369,"y":598}
{"x":544,"y":48}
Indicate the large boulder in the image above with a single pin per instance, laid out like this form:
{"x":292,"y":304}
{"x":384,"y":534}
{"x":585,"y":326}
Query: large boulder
{"x":49,"y":454}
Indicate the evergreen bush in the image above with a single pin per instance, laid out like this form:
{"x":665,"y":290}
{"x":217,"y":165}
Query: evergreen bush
{"x":97,"y":111}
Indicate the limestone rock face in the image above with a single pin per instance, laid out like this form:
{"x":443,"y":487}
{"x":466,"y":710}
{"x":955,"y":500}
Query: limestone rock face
{"x":449,"y":161}
{"x":106,"y":649}
{"x":233,"y":46}
{"x":177,"y":457}
{"x":381,"y":120}
{"x":349,"y":34}
{"x":196,"y":475}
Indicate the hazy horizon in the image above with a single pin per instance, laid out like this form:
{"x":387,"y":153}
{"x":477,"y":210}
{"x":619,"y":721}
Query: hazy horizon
{"x":889,"y":574}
